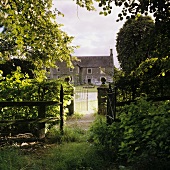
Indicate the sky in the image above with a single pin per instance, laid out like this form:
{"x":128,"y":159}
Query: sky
{"x":94,"y":33}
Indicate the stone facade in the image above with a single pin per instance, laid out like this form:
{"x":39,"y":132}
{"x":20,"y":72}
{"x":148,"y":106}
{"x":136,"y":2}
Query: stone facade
{"x":87,"y":70}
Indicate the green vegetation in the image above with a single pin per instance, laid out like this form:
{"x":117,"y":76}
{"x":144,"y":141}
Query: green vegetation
{"x":140,"y":139}
{"x":135,"y":42}
{"x":68,"y":152}
{"x":30,"y":31}
{"x":17,"y":86}
{"x":145,"y":64}
{"x":11,"y":159}
{"x":71,"y":134}
{"x":160,"y":9}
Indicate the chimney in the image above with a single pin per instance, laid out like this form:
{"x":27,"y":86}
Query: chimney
{"x":112,"y":61}
{"x":111,"y":52}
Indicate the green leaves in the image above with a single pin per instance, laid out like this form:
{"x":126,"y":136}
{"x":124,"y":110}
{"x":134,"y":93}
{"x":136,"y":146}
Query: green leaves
{"x":134,"y":42}
{"x":31,"y":27}
{"x":140,"y":135}
{"x":19,"y":87}
{"x":145,"y":127}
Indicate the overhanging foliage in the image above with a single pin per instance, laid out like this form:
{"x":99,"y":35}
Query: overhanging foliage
{"x":31,"y":31}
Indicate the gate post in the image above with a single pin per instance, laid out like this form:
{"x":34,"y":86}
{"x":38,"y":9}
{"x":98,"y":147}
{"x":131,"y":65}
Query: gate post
{"x":102,"y":97}
{"x":70,"y":88}
{"x":110,"y":106}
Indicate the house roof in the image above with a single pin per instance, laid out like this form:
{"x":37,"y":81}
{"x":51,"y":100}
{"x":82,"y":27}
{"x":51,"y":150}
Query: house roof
{"x":94,"y":61}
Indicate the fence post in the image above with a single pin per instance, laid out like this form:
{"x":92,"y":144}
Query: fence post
{"x":61,"y":110}
{"x":110,"y":106}
{"x":41,"y":126}
{"x":115,"y":102}
{"x":102,"y":97}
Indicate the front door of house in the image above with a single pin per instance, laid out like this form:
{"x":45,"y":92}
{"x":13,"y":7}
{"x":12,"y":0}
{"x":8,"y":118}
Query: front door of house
{"x":89,"y":81}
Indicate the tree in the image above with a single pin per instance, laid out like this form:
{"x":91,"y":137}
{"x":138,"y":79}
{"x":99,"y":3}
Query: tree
{"x":160,"y":9}
{"x":31,"y":31}
{"x":134,"y":43}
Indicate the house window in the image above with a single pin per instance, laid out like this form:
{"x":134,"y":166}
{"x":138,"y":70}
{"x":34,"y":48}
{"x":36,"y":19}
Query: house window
{"x":58,"y":69}
{"x":71,"y":69}
{"x":89,"y":71}
{"x":58,"y":77}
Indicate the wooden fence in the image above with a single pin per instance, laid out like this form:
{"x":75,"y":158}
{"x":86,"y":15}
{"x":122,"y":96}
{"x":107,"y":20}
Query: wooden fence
{"x":40,"y":120}
{"x":112,"y":103}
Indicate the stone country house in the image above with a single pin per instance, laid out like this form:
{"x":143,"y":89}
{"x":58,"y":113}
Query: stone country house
{"x":87,"y":70}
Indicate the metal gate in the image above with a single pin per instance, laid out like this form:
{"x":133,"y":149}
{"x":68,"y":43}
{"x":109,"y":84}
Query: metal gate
{"x":85,"y":99}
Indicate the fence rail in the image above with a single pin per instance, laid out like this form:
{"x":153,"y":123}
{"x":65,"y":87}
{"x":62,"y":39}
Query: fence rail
{"x":156,"y":99}
{"x":41,"y":119}
{"x":112,"y":103}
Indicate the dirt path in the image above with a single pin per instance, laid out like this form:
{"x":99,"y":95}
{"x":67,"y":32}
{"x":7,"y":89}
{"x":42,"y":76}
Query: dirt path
{"x":84,"y":122}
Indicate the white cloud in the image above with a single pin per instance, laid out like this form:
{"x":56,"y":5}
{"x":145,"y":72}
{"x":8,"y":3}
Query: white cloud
{"x":94,"y":33}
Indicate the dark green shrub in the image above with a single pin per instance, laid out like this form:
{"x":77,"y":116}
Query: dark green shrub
{"x":142,"y":135}
{"x":146,"y":131}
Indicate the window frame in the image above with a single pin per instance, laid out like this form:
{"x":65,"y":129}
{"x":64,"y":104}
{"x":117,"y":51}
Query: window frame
{"x":88,"y":71}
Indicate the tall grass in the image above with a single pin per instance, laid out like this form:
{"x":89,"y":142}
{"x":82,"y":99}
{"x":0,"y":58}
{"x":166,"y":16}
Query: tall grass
{"x":76,"y":156}
{"x":11,"y":159}
{"x":71,"y":134}
{"x":70,"y":151}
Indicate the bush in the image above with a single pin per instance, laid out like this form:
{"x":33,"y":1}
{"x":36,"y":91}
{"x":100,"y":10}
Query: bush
{"x":142,"y":135}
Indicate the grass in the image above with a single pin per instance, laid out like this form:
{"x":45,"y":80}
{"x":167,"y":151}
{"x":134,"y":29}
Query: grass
{"x":74,"y":156}
{"x":71,"y":134}
{"x":70,"y":151}
{"x":80,"y":88}
{"x":11,"y":159}
{"x":75,"y":116}
{"x":83,"y":106}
